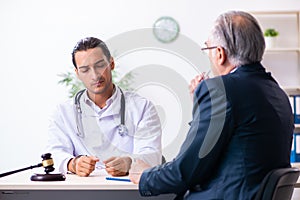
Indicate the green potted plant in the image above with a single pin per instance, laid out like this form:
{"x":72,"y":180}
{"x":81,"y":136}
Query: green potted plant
{"x":270,"y":37}
{"x":271,"y":32}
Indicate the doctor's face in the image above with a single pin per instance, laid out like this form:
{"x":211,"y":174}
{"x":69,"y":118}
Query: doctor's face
{"x":94,"y":70}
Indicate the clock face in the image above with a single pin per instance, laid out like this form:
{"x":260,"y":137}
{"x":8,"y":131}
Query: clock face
{"x":166,"y":29}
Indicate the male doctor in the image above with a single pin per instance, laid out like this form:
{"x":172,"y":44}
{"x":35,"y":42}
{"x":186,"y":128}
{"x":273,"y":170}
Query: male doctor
{"x":83,"y":139}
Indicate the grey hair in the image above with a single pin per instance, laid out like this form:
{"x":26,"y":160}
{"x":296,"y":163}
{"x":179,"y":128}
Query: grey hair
{"x":240,"y":35}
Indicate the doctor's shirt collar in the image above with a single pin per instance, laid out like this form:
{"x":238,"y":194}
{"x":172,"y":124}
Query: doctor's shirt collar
{"x":109,"y":101}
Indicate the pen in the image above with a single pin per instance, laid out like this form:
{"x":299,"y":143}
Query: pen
{"x":117,"y":179}
{"x":208,"y":72}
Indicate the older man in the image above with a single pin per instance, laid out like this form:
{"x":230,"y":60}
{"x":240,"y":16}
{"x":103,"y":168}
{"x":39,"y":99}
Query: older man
{"x":242,"y":122}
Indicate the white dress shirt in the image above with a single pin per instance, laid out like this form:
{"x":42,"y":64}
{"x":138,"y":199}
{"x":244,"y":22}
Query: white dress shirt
{"x":100,"y":136}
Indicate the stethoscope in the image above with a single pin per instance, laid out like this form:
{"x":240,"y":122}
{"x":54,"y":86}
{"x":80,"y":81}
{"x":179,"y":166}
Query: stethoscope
{"x":122,"y":129}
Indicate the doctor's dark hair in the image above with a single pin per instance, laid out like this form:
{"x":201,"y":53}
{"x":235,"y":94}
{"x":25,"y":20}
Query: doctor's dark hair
{"x":90,"y":43}
{"x":241,"y":37}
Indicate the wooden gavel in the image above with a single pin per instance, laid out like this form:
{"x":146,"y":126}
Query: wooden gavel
{"x":47,"y":163}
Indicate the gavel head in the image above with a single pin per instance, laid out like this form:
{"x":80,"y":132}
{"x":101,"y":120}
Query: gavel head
{"x":47,"y":162}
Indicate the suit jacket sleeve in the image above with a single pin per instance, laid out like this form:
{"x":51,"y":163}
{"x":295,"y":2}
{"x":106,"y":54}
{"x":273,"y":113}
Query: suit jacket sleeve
{"x":209,"y":134}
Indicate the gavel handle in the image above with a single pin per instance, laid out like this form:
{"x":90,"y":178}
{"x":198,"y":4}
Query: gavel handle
{"x":19,"y":170}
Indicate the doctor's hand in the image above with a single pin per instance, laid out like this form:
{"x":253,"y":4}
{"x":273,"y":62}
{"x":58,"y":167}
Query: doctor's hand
{"x":83,"y":165}
{"x":136,"y":170}
{"x":117,"y":166}
{"x":195,"y":82}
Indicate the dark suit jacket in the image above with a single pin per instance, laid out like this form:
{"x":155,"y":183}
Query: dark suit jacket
{"x":242,"y":128}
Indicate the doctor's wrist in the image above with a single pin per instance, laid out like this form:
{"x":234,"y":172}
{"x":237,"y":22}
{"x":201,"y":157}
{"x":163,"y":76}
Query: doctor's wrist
{"x":72,"y":164}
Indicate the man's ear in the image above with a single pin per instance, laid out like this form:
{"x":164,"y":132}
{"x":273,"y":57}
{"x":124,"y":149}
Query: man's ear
{"x":112,"y":63}
{"x":221,"y":55}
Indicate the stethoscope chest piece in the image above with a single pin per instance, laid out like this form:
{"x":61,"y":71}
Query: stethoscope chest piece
{"x":122,"y":129}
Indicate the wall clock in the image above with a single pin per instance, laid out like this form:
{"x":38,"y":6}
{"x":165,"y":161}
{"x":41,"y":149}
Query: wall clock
{"x":166,"y":29}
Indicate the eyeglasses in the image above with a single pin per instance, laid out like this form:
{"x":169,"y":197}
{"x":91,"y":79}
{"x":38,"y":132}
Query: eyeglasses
{"x":207,"y":48}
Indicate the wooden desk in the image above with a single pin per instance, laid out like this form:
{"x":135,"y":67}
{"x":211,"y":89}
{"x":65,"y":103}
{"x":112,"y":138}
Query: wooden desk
{"x":19,"y":187}
{"x":95,"y":187}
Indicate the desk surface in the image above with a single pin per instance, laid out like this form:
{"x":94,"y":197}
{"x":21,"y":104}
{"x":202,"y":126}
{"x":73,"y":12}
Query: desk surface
{"x":96,"y":181}
{"x":94,"y":187}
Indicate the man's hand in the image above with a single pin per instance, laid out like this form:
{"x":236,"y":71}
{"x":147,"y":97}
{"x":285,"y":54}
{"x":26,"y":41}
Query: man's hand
{"x":136,"y":170}
{"x":117,"y":166}
{"x":195,"y":82}
{"x":83,"y":165}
